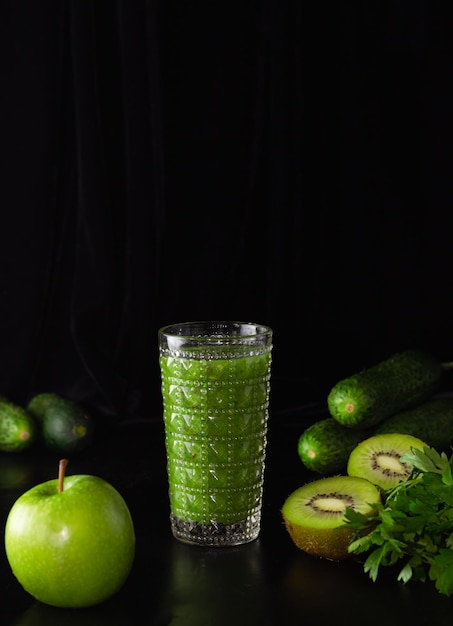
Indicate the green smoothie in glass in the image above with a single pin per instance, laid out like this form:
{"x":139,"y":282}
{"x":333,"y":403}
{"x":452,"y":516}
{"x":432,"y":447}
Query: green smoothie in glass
{"x":215,"y":389}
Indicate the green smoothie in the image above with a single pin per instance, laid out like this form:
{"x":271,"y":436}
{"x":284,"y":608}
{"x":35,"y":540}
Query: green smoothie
{"x":215,"y":414}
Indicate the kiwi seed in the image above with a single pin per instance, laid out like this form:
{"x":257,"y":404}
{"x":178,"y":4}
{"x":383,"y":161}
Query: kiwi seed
{"x":314,"y":514}
{"x":378,"y":458}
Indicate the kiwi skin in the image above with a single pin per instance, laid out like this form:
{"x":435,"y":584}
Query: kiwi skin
{"x":377,"y":458}
{"x":333,"y":547}
{"x":318,"y":530}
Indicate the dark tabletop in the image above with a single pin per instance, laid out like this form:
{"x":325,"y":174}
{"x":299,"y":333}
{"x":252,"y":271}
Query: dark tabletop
{"x":268,"y":581}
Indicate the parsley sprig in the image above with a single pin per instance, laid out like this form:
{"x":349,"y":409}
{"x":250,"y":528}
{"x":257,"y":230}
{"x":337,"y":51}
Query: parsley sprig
{"x":413,"y":525}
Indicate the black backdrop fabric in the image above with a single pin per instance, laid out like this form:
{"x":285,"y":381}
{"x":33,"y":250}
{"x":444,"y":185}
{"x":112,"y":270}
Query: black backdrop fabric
{"x":285,"y":162}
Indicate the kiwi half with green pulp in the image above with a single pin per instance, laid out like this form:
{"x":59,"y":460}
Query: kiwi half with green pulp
{"x":378,"y":458}
{"x":314,"y":514}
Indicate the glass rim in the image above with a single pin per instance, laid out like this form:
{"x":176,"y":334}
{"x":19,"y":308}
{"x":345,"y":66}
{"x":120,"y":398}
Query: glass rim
{"x":181,"y":329}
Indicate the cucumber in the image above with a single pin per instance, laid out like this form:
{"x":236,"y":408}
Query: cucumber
{"x":431,"y":421}
{"x":402,"y":381}
{"x":17,"y":427}
{"x":324,"y":446}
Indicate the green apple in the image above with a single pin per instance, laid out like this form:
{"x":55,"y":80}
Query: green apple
{"x":70,"y":542}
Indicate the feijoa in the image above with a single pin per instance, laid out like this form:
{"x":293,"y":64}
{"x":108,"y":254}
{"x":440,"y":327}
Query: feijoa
{"x":67,"y":427}
{"x":40,"y":403}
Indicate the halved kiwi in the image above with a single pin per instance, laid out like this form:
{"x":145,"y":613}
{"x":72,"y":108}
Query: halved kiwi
{"x":314,"y":513}
{"x":378,"y":458}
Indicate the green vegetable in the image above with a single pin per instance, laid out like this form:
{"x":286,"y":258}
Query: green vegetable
{"x":398,"y":383}
{"x":17,"y":427}
{"x":324,"y":446}
{"x":412,"y":527}
{"x":431,"y":421}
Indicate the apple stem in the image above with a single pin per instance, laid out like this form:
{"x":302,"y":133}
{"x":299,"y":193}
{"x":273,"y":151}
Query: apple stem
{"x":61,"y":472}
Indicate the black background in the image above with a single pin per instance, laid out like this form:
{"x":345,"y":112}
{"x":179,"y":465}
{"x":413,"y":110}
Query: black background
{"x":280,"y":161}
{"x":285,"y":162}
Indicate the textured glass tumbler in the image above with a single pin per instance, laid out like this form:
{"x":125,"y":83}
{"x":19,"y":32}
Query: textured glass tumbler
{"x":215,"y":391}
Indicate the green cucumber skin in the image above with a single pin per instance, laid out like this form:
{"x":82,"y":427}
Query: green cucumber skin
{"x":329,"y":443}
{"x":369,"y":397}
{"x":324,"y":447}
{"x":17,"y":428}
{"x":432,"y":422}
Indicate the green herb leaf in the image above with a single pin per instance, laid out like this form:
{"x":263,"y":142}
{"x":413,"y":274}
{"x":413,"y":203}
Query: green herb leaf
{"x":428,"y":460}
{"x":406,"y":573}
{"x":441,"y":571}
{"x":413,"y":524}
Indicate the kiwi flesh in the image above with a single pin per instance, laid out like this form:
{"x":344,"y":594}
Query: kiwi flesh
{"x":378,"y":458}
{"x":314,"y":514}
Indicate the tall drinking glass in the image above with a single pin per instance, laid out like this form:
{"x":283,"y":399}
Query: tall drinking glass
{"x":215,"y":390}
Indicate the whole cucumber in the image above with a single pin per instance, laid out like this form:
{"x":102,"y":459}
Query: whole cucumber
{"x":17,"y":427}
{"x":432,"y":422}
{"x":325,"y":446}
{"x":400,"y":382}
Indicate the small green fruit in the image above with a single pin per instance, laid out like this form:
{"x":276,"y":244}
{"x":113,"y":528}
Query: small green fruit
{"x":378,"y":458}
{"x":67,"y":427}
{"x":70,"y":543}
{"x":40,"y":403}
{"x":314,"y":514}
